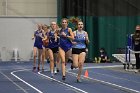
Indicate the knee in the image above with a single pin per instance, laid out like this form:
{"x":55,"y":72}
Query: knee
{"x":35,"y":55}
{"x":80,"y":64}
{"x":75,"y":66}
{"x":63,"y":62}
{"x":51,"y":59}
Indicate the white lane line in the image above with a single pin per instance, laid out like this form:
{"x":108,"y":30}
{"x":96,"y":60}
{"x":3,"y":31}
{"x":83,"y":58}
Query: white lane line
{"x":109,"y":75}
{"x":108,"y":83}
{"x":105,"y":82}
{"x":25,"y":81}
{"x":97,"y":67}
{"x":80,"y":90}
{"x":102,"y":66}
{"x":14,"y":82}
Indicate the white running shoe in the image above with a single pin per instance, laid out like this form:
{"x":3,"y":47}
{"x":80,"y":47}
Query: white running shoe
{"x":55,"y":71}
{"x":52,"y":75}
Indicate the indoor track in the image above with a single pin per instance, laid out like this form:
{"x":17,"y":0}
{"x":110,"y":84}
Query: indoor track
{"x":17,"y":77}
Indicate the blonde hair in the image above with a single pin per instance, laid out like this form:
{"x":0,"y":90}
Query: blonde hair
{"x":44,"y":26}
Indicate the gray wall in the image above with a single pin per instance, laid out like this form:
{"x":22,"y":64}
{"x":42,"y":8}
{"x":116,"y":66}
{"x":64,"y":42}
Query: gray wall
{"x":28,"y":8}
{"x":16,"y":33}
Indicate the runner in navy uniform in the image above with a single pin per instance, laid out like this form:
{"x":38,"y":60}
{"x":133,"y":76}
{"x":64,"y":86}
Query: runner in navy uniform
{"x":66,"y":35}
{"x":53,"y":46}
{"x":45,"y":52}
{"x":38,"y":45}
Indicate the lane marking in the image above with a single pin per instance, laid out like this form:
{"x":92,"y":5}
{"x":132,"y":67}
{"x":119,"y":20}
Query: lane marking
{"x":80,"y":90}
{"x":102,"y":66}
{"x":82,"y":76}
{"x":14,"y":83}
{"x":105,"y":82}
{"x":109,"y":75}
{"x":115,"y":77}
{"x":25,"y":81}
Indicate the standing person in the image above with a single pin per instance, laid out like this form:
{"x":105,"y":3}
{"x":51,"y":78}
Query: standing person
{"x":53,"y":47}
{"x":136,"y":44}
{"x":79,"y":48}
{"x":38,"y":46}
{"x":66,"y":35}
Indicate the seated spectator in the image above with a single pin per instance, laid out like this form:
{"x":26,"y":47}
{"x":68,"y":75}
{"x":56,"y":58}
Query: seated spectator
{"x":103,"y":58}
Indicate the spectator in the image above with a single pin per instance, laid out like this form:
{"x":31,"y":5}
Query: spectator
{"x":103,"y":58}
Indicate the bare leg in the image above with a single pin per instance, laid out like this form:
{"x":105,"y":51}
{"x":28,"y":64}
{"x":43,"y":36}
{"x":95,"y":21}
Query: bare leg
{"x":55,"y":62}
{"x":62,"y":56}
{"x":58,"y":62}
{"x":50,"y":53}
{"x":75,"y":60}
{"x":68,"y":55}
{"x":35,"y":55}
{"x":43,"y":59}
{"x":39,"y":58}
{"x":80,"y":64}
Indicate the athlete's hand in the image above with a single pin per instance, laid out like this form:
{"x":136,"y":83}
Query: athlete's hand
{"x":87,"y":39}
{"x":33,"y":37}
{"x":63,"y":34}
{"x":55,"y":39}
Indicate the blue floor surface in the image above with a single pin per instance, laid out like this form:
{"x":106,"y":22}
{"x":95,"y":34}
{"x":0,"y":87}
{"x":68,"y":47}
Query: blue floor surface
{"x":18,"y":77}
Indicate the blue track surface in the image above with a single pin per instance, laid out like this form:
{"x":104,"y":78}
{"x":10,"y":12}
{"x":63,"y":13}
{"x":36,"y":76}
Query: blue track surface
{"x":19,"y":78}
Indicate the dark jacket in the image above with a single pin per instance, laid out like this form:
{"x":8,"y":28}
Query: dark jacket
{"x":136,"y":41}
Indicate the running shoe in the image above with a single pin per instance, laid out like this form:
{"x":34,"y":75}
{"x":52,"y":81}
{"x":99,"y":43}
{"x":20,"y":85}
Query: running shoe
{"x":34,"y":68}
{"x":52,"y":75}
{"x":42,"y":69}
{"x":79,"y":81}
{"x":71,"y":66}
{"x":38,"y":68}
{"x":57,"y":70}
{"x":64,"y":78}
